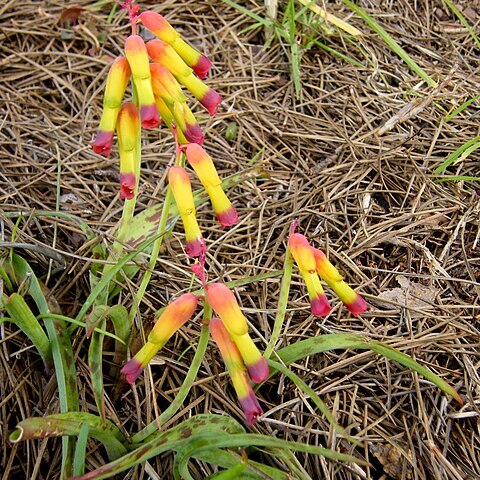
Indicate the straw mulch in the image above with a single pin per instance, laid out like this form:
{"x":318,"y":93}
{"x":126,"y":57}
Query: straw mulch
{"x":410,"y":244}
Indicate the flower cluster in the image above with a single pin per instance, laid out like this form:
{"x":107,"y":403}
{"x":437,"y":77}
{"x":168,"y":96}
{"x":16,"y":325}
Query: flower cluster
{"x":230,"y":333}
{"x":312,"y":262}
{"x":157,"y":92}
{"x":179,"y":181}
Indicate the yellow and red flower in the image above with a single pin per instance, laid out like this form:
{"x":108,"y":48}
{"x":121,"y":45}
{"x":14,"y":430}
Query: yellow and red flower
{"x":182,"y":191}
{"x":170,"y":320}
{"x":128,"y":131}
{"x":304,"y":258}
{"x":160,"y":27}
{"x":162,"y":53}
{"x":187,"y":123}
{"x":331,"y":276}
{"x":223,"y":301}
{"x":137,"y":56}
{"x":313,"y":262}
{"x":117,"y":81}
{"x":203,"y":165}
{"x":236,"y":368}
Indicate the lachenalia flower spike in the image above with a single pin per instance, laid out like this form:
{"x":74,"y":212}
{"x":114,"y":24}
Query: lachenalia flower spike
{"x":182,"y":192}
{"x":128,"y":131}
{"x":305,"y":260}
{"x":236,"y":369}
{"x":223,"y":301}
{"x":170,"y":320}
{"x":203,"y":165}
{"x":117,"y":81}
{"x":160,"y":27}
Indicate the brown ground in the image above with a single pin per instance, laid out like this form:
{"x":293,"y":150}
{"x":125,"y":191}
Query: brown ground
{"x":411,"y":245}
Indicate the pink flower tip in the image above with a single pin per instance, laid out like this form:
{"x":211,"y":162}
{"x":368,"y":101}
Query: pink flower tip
{"x":251,"y":408}
{"x":228,"y":218}
{"x":197,"y":248}
{"x":358,"y":306}
{"x":103,"y":143}
{"x":320,"y":306}
{"x":149,"y":116}
{"x":127,"y":186}
{"x":194,"y":134}
{"x":132,"y":370}
{"x":259,"y":371}
{"x":211,"y":100}
{"x":202,"y":67}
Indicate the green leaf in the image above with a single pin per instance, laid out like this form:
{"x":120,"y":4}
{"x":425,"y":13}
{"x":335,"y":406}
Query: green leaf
{"x":343,"y":341}
{"x":202,"y":433}
{"x":72,"y":424}
{"x":22,"y":274}
{"x":23,"y":318}
{"x":80,"y":450}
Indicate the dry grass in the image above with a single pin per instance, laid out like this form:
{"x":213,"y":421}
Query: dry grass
{"x":410,"y":244}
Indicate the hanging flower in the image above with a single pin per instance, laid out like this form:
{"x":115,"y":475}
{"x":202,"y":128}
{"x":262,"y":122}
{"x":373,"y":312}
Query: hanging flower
{"x":182,"y":191}
{"x":203,"y":165}
{"x":160,"y":27}
{"x":331,"y":276}
{"x":128,"y":131}
{"x":223,"y":301}
{"x":137,"y":57}
{"x":305,"y":260}
{"x":117,"y":81}
{"x":170,"y":320}
{"x":186,"y":122}
{"x":236,"y":369}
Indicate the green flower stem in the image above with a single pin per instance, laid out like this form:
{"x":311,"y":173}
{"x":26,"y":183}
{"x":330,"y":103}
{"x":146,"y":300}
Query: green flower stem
{"x":186,"y":385}
{"x":282,"y":304}
{"x":161,"y":230}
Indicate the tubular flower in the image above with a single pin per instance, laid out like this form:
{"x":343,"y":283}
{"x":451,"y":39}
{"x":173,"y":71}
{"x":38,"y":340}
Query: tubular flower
{"x":160,"y":27}
{"x":351,"y":299}
{"x":137,"y":57}
{"x":207,"y":96}
{"x":236,"y":369}
{"x":167,"y":117}
{"x":164,"y":54}
{"x":305,"y":259}
{"x":182,"y":191}
{"x":128,"y":129}
{"x":203,"y":165}
{"x":117,"y":82}
{"x":223,"y":301}
{"x":187,"y":123}
{"x":171,"y":319}
{"x":165,"y":85}
{"x":256,"y":364}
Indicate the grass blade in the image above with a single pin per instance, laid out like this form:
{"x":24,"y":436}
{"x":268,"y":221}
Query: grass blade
{"x":460,"y":153}
{"x":392,"y":44}
{"x":463,"y":21}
